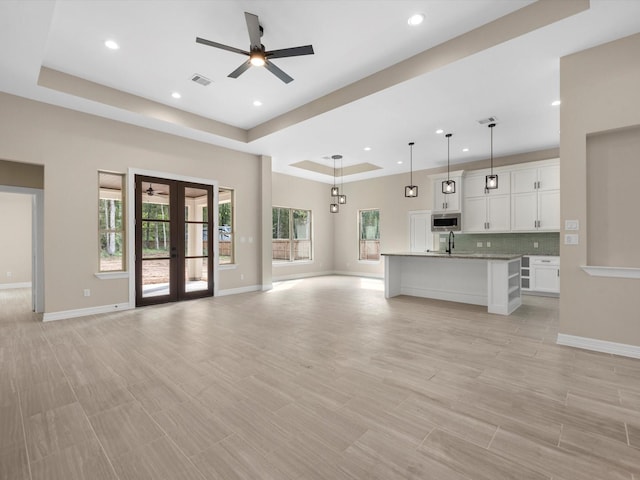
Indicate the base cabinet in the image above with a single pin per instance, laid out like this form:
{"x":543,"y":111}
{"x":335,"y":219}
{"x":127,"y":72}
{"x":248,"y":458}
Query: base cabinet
{"x":540,"y":274}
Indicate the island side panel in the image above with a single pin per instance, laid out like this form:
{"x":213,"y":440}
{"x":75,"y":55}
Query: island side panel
{"x":392,"y":275}
{"x":504,"y":286}
{"x":452,"y":279}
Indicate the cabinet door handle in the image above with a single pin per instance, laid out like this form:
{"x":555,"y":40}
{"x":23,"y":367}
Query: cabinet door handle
{"x":558,"y":272}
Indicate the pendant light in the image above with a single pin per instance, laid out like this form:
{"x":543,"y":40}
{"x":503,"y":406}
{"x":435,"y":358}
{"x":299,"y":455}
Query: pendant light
{"x":335,"y":192}
{"x":342,"y":198}
{"x":491,"y":181}
{"x":411,"y":190}
{"x":334,"y":188}
{"x":448,"y":185}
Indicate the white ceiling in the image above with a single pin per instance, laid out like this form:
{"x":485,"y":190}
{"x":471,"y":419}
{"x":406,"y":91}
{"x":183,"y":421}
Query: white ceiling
{"x":515,"y":81}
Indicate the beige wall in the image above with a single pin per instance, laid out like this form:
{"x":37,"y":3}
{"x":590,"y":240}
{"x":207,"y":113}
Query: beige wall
{"x":72,"y":146}
{"x":15,"y":238}
{"x":296,"y":192}
{"x":599,"y":91}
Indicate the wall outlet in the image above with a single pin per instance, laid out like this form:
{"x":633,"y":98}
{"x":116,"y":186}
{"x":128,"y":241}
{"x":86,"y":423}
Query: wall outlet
{"x":86,"y":292}
{"x":242,"y":276}
{"x":9,"y":274}
{"x":479,"y":244}
{"x":488,"y":244}
{"x":535,"y":244}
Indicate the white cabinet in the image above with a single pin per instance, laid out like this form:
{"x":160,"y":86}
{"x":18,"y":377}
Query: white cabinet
{"x":535,"y":198}
{"x":486,"y":211}
{"x":446,"y":202}
{"x":545,"y":274}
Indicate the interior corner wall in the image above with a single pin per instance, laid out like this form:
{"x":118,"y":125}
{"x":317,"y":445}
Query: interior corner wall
{"x":599,"y":92}
{"x":73,"y":146}
{"x":294,"y":192}
{"x":15,"y":239}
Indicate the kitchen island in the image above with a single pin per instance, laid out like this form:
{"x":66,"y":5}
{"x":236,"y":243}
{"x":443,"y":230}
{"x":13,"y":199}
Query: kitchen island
{"x":492,"y":280}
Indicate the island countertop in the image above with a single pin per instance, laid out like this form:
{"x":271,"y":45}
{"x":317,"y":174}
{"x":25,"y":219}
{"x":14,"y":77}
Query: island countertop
{"x":462,"y":255}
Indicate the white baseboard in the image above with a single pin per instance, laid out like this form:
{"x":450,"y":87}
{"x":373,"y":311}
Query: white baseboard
{"x":596,"y":345}
{"x":83,"y":312}
{"x":234,"y":291}
{"x":9,"y":286}
{"x":296,"y":276}
{"x":358,"y":274}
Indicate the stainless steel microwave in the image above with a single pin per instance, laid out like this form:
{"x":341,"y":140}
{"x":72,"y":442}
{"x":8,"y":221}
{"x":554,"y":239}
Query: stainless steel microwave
{"x":446,"y":222}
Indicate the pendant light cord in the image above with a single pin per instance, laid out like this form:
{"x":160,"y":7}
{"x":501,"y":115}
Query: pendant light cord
{"x":448,"y":151}
{"x":411,"y":163}
{"x":491,"y":127}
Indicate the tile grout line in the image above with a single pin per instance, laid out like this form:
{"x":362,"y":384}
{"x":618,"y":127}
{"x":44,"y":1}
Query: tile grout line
{"x":493,"y":436}
{"x":24,"y":434}
{"x":83,"y":410}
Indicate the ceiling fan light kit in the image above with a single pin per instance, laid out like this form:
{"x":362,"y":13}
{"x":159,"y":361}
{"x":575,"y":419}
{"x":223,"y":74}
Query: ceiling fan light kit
{"x":258,"y":55}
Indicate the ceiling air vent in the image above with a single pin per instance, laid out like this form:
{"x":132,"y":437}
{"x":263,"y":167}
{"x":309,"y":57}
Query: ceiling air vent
{"x":484,"y":121}
{"x":204,"y":81}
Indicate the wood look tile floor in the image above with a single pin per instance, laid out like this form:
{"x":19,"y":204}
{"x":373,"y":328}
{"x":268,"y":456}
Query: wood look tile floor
{"x":321,"y":378}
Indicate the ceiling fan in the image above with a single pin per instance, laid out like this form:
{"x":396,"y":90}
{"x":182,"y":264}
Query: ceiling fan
{"x":257,"y":54}
{"x":151,"y":191}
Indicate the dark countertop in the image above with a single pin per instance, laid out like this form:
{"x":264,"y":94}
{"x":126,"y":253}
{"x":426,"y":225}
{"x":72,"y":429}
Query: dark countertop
{"x":457,"y":256}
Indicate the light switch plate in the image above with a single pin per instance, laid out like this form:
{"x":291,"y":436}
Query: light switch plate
{"x":478,"y":244}
{"x":571,"y":239}
{"x":571,"y":225}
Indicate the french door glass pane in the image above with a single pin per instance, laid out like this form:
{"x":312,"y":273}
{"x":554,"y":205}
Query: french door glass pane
{"x":195,"y":240}
{"x":156,"y":239}
{"x":196,"y":274}
{"x":155,"y":277}
{"x":155,"y":201}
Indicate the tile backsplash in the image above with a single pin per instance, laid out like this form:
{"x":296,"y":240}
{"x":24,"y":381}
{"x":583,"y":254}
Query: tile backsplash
{"x":547,"y":243}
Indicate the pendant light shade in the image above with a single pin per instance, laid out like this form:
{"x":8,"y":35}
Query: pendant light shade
{"x":448,"y":186}
{"x":333,"y":208}
{"x":411,"y":190}
{"x":491,"y":181}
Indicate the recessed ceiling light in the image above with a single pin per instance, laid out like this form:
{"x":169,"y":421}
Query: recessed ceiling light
{"x":257,"y":103}
{"x":555,"y":103}
{"x":440,"y":131}
{"x":176,"y":95}
{"x":415,"y":19}
{"x":465,"y":149}
{"x":367,"y":149}
{"x":399,"y":162}
{"x":111,"y":45}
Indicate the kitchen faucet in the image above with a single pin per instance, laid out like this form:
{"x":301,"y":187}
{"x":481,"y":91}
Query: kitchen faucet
{"x":452,"y":244}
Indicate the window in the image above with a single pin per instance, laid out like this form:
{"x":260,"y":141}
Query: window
{"x":225,"y":227}
{"x":111,"y":222}
{"x":369,"y":236}
{"x":291,"y":235}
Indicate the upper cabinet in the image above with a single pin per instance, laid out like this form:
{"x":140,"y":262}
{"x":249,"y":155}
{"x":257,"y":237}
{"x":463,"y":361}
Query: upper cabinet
{"x":486,"y":211}
{"x":535,"y":197}
{"x":447,"y":202}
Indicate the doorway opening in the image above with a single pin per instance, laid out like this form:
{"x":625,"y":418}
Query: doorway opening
{"x":21,"y":210}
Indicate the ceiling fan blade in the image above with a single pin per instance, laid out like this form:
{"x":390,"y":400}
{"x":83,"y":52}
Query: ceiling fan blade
{"x":253,"y":26}
{"x":204,"y":41}
{"x":240,"y":70}
{"x":277,"y":72}
{"x":290,"y":52}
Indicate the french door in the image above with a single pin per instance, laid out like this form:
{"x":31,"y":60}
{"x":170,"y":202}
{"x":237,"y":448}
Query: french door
{"x":174,"y":240}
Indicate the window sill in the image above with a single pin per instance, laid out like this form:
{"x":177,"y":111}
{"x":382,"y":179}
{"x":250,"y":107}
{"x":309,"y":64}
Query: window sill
{"x":227,"y":266}
{"x":370,"y":261}
{"x":111,"y":275}
{"x":289,"y":264}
